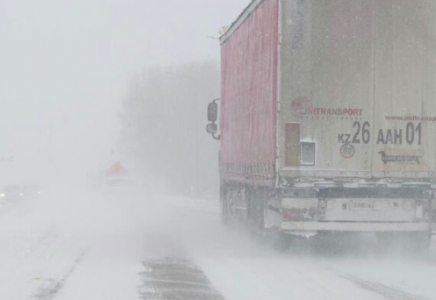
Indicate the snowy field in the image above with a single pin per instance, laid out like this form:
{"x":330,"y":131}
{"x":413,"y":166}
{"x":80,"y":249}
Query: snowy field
{"x":80,"y":245}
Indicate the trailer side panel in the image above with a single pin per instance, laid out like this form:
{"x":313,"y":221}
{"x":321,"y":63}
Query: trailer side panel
{"x":249,"y":97}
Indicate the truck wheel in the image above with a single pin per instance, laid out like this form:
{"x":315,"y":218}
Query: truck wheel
{"x":255,"y":210}
{"x":417,"y":242}
{"x":403,"y":242}
{"x":282,"y":241}
{"x":387,"y":242}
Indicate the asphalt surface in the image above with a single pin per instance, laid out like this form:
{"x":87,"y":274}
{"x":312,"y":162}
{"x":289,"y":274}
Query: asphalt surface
{"x":172,"y":278}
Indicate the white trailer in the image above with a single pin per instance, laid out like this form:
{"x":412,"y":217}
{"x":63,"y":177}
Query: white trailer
{"x":352,"y":85}
{"x":357,"y":121}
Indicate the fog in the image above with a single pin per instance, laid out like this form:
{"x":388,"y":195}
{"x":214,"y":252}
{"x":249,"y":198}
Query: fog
{"x":94,"y":93}
{"x":68,"y":76}
{"x":66,"y":66}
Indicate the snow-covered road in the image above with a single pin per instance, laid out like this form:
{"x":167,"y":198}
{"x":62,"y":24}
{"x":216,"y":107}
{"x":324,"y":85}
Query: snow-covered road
{"x":80,"y":245}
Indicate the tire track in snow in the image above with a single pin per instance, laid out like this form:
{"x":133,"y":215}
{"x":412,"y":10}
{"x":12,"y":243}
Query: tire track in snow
{"x":51,"y":287}
{"x":387,"y":292}
{"x":173,"y":278}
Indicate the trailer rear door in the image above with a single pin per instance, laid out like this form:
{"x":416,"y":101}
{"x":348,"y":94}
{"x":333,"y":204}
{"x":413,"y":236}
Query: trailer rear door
{"x":404,"y":123}
{"x":357,"y":88}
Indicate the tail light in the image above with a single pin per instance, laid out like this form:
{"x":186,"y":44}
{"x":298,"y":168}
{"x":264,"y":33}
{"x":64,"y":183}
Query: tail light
{"x":293,"y":214}
{"x":299,"y":214}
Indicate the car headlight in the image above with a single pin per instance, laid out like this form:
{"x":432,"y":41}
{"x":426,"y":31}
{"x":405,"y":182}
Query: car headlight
{"x":2,"y":195}
{"x":21,"y":194}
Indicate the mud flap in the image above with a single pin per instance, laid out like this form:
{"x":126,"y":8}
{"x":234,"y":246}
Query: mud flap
{"x":273,"y":216}
{"x":234,"y":205}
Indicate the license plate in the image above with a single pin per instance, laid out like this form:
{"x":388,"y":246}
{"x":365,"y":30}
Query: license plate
{"x":368,"y":205}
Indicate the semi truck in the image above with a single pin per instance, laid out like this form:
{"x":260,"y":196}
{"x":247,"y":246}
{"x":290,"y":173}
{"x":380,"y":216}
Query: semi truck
{"x":327,"y":117}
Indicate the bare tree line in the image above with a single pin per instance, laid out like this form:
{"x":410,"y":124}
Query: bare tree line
{"x":163,"y":119}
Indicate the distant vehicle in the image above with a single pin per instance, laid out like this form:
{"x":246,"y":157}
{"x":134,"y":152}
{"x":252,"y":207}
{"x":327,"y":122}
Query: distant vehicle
{"x":118,"y":181}
{"x":327,"y":120}
{"x":14,"y":192}
{"x":31,"y":191}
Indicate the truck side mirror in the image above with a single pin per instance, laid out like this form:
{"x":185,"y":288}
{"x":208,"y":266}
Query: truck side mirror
{"x":212,"y":128}
{"x":212,"y":112}
{"x":212,"y":117}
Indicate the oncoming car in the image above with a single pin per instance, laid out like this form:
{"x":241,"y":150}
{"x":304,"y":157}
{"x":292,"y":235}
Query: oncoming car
{"x":15,"y":192}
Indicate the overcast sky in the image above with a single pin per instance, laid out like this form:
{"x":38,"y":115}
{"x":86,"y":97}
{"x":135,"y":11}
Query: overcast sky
{"x":65,"y":65}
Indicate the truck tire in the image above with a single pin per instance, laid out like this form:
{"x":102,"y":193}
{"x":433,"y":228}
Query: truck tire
{"x":417,"y":242}
{"x":256,"y":208}
{"x":403,"y":242}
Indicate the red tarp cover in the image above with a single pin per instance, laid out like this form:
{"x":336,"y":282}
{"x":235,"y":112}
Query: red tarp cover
{"x":249,"y":97}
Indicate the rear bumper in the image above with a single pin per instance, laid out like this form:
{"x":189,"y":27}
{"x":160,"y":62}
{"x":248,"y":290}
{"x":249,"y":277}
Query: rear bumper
{"x":354,"y":227}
